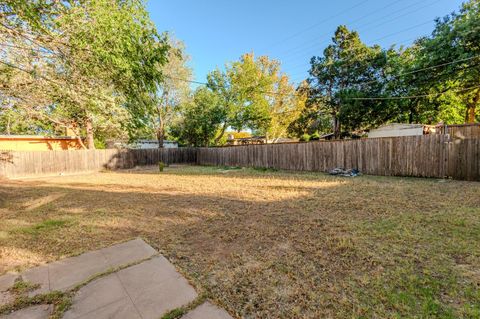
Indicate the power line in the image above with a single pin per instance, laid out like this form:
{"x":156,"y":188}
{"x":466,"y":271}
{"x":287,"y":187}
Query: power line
{"x":396,"y":77}
{"x":401,"y":31}
{"x":411,"y":96}
{"x":206,"y":84}
{"x":295,"y":94}
{"x":303,"y":65}
{"x":361,"y":28}
{"x":374,"y":40}
{"x":319,"y":23}
{"x":27,"y":48}
{"x":431,"y":68}
{"x":296,"y":51}
{"x":32,"y":73}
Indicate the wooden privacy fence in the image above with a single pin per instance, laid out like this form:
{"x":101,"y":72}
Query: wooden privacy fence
{"x":461,"y":130}
{"x":21,"y":164}
{"x":421,"y":156}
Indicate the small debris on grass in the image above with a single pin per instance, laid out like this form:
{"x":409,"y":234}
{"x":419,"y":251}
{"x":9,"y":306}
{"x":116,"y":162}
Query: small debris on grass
{"x":345,"y":172}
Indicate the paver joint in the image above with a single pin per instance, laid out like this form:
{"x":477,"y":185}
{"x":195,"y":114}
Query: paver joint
{"x":146,"y":290}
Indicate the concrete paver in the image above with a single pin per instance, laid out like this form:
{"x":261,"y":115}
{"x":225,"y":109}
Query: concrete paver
{"x":127,"y":253}
{"x":86,"y":265}
{"x":100,"y":293}
{"x":146,"y":290}
{"x":34,"y":312}
{"x":59,"y":275}
{"x":6,"y":281}
{"x":207,"y":311}
{"x":155,"y":287}
{"x":122,"y":309}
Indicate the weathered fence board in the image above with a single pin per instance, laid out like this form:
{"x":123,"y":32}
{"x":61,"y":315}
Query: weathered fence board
{"x":421,"y":156}
{"x":461,"y":130}
{"x":21,"y":164}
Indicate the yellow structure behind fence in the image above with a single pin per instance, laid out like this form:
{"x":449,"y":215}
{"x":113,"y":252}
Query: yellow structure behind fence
{"x":37,"y":143}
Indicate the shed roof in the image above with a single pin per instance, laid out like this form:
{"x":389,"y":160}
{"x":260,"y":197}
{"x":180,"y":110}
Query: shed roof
{"x":399,"y":126}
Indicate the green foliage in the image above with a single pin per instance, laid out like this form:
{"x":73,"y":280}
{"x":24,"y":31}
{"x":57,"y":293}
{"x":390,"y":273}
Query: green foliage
{"x":312,"y":117}
{"x":456,"y":37}
{"x":201,"y":119}
{"x":255,"y":95}
{"x":93,"y":67}
{"x":161,"y":166}
{"x":315,"y":137}
{"x":21,"y":287}
{"x":349,"y":69}
{"x":175,"y":313}
{"x":100,"y":144}
{"x":305,"y":138}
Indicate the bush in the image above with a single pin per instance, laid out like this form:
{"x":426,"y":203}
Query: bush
{"x":305,"y":138}
{"x":161,"y":166}
{"x":315,"y":137}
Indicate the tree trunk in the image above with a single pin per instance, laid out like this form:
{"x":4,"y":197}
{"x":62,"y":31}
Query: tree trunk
{"x":336,"y":126}
{"x":410,"y":115}
{"x":8,"y":124}
{"x":222,"y":132}
{"x":471,"y":108}
{"x":90,"y":138}
{"x":160,"y":131}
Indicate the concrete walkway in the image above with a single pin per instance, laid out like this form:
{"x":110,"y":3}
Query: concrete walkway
{"x":148,"y":289}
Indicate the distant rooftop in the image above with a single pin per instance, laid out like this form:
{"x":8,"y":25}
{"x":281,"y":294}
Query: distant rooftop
{"x":37,"y":137}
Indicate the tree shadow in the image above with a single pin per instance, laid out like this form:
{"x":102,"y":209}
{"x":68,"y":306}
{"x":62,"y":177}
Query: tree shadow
{"x":274,"y":251}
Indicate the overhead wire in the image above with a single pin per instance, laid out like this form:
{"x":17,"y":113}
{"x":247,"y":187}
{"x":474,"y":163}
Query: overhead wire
{"x":295,"y":51}
{"x":396,"y":77}
{"x":412,"y":96}
{"x":319,"y":23}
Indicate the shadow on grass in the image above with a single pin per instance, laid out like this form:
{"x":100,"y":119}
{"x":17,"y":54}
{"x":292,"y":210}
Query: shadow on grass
{"x":363,"y":247}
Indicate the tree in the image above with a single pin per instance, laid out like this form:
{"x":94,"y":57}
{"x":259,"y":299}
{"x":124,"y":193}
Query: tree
{"x":173,"y":91}
{"x":201,"y":119}
{"x":85,"y":65}
{"x":312,"y":119}
{"x":348,"y":69}
{"x":241,"y":88}
{"x":456,"y":38}
{"x":255,"y":95}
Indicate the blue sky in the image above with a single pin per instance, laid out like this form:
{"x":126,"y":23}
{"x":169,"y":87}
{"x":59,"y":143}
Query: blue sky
{"x":219,"y":31}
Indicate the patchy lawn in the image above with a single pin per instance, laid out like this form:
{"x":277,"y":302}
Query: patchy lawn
{"x":268,"y":244}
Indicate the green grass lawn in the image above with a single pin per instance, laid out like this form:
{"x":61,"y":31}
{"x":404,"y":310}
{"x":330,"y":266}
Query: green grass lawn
{"x":268,"y":244}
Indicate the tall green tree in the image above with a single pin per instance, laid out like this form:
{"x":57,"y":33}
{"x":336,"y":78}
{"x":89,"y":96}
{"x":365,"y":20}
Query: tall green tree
{"x":89,"y":66}
{"x":348,"y":69}
{"x":173,"y":91}
{"x":241,"y":88}
{"x":312,"y":118}
{"x":201,"y":119}
{"x":255,"y":95}
{"x":456,"y":38}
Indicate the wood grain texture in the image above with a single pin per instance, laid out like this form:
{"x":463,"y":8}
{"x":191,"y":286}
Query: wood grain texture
{"x":436,"y":156}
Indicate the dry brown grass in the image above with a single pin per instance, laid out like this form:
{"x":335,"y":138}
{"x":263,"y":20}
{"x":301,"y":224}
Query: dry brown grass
{"x":269,"y":244}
